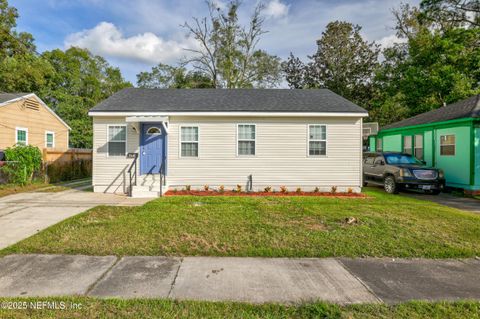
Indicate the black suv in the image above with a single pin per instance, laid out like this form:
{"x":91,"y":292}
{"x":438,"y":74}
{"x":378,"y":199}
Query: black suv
{"x":397,"y":171}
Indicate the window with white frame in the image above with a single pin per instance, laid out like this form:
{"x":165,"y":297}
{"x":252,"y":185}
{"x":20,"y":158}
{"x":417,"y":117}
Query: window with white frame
{"x":419,"y":146}
{"x":317,"y":140}
{"x":407,"y":144}
{"x":21,"y":136}
{"x":49,"y":139}
{"x":246,"y":134}
{"x":189,"y":141}
{"x":117,"y":140}
{"x":447,"y":145}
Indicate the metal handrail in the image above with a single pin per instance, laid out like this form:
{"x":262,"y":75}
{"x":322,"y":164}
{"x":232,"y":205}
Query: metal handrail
{"x":133,"y":165}
{"x":162,"y":178}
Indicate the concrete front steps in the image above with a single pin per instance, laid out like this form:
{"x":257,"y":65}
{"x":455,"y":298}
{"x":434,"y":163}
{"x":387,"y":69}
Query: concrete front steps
{"x":148,"y":186}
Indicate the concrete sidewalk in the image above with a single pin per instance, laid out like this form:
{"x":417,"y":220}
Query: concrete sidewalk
{"x":24,"y":214}
{"x":255,"y":280}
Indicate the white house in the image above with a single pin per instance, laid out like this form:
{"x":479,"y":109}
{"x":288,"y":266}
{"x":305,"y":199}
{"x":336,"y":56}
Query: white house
{"x":252,"y":137}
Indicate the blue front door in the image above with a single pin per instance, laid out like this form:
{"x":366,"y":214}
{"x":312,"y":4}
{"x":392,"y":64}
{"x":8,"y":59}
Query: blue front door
{"x":152,"y":148}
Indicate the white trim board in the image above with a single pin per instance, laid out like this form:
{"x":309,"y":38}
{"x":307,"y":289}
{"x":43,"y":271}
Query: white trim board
{"x":247,"y":114}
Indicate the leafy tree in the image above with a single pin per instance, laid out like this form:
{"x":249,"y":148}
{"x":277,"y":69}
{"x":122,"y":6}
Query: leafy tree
{"x":167,"y":76}
{"x":344,"y":63}
{"x":12,"y":42}
{"x":434,"y":67}
{"x":227,"y":52}
{"x":451,"y":13}
{"x":80,"y":81}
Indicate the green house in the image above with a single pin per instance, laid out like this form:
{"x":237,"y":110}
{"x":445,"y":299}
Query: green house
{"x":446,"y":138}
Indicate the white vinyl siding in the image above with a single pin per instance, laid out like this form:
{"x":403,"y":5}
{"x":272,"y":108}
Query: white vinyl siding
{"x":110,"y":173}
{"x":317,"y":140}
{"x":281,"y":154}
{"x":246,"y":139}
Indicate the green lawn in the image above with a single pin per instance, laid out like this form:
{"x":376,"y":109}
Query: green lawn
{"x":388,"y":225}
{"x":143,"y":308}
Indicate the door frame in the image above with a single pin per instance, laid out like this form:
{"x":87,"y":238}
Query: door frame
{"x":160,"y":126}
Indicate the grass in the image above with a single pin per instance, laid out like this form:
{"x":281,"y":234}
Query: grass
{"x":388,"y":225}
{"x":144,"y":308}
{"x":9,"y":189}
{"x":38,"y":186}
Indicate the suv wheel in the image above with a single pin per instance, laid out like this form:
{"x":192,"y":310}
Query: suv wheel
{"x":434,"y":192}
{"x":390,"y":185}
{"x":364,"y":181}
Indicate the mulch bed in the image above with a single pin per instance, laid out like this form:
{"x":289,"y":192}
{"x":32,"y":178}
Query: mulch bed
{"x":254,"y":194}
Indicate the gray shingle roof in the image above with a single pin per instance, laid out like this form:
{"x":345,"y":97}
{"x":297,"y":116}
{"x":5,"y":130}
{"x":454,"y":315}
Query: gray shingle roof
{"x":5,"y":97}
{"x":462,"y":109}
{"x":223,"y":100}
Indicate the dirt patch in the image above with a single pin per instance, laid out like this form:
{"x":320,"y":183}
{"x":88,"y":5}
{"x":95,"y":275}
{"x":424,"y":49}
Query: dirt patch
{"x":260,"y":194}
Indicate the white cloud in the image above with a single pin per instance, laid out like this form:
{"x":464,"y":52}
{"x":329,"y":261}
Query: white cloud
{"x":389,"y":41}
{"x":276,"y":9}
{"x":108,"y":40}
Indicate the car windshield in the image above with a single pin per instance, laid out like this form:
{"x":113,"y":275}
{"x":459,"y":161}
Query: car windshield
{"x":393,"y":159}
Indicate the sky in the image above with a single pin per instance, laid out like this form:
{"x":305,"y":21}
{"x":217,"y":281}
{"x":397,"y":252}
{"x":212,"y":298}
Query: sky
{"x":135,"y":35}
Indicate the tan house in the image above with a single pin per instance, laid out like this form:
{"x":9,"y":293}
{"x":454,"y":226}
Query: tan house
{"x":26,"y":119}
{"x":146,"y":141}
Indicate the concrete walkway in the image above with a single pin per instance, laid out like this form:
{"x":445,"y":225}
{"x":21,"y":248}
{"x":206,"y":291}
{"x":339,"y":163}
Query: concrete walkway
{"x":24,"y":214}
{"x":463,"y":203}
{"x":255,"y":280}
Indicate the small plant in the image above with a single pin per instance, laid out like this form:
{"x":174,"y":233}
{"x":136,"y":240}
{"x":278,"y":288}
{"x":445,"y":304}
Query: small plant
{"x":350,"y":190}
{"x":267,"y":189}
{"x":221,"y":188}
{"x":316,"y":190}
{"x":239,"y":188}
{"x":298,"y":190}
{"x":283,"y":189}
{"x":333,"y":190}
{"x":188,"y":187}
{"x":206,"y":187}
{"x":175,"y":190}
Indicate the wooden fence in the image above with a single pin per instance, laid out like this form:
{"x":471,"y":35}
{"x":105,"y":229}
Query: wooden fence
{"x":70,"y":155}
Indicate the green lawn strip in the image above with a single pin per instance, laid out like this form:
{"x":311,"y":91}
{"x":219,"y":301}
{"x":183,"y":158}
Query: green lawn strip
{"x":9,"y":189}
{"x":160,"y":308}
{"x":388,"y":225}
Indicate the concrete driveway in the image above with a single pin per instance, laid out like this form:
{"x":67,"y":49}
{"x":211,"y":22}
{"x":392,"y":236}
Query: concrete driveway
{"x":23,"y":215}
{"x":463,"y":203}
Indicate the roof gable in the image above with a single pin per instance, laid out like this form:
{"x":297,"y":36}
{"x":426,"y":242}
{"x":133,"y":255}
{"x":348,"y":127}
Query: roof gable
{"x":227,"y":100}
{"x":9,"y":98}
{"x":468,"y":108}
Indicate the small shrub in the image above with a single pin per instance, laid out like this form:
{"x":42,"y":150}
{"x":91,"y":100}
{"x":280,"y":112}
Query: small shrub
{"x":350,"y":190}
{"x":267,"y":189}
{"x":333,"y":190}
{"x":239,"y":188}
{"x":316,"y":190}
{"x":221,"y":188}
{"x":206,"y":188}
{"x":175,"y":190}
{"x":298,"y":190}
{"x":188,"y":187}
{"x":283,"y":189}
